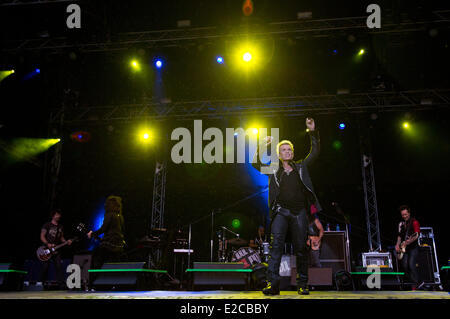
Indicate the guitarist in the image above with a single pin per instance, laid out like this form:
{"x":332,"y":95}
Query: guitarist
{"x":52,"y":234}
{"x":315,"y":234}
{"x":408,"y":233}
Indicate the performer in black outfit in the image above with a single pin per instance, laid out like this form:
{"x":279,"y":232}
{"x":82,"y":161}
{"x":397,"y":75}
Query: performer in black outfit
{"x":52,"y":234}
{"x":291,"y":197}
{"x":112,"y":244}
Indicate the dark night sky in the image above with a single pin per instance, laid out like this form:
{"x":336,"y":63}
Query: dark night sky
{"x":409,"y":170}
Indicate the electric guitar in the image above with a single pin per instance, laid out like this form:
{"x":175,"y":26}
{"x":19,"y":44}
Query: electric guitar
{"x":44,"y":253}
{"x":314,"y":242}
{"x":403,"y":247}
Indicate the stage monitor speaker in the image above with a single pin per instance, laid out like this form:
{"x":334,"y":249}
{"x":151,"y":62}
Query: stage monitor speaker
{"x":10,"y":278}
{"x":121,"y":276}
{"x":425,"y":265}
{"x":316,"y":277}
{"x":333,"y":252}
{"x":207,"y":275}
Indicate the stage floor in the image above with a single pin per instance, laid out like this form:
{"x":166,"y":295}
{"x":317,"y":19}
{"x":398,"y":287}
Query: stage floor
{"x":223,"y":294}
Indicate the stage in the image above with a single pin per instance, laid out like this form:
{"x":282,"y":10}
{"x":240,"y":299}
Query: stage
{"x":224,"y":294}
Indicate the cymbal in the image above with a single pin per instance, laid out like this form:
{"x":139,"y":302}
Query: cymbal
{"x":237,"y":242}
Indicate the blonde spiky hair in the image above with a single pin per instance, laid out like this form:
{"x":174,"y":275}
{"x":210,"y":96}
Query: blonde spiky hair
{"x":282,"y":143}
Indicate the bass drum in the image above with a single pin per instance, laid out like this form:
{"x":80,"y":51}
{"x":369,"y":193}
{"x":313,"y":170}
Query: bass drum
{"x":246,"y":255}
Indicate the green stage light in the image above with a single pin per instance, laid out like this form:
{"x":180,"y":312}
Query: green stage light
{"x":337,"y":145}
{"x":236,"y":223}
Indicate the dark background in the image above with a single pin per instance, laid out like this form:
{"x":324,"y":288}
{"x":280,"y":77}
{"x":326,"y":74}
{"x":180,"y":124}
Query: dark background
{"x":408,"y":170}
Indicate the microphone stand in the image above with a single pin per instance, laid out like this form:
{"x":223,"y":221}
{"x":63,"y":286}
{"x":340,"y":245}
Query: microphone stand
{"x":219,"y":211}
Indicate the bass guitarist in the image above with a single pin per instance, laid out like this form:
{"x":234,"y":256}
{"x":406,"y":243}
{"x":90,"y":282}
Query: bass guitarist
{"x":52,"y":234}
{"x":407,"y":246}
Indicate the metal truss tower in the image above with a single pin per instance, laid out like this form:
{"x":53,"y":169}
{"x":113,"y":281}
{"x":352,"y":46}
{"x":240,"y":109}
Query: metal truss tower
{"x":370,"y":196}
{"x":159,"y":194}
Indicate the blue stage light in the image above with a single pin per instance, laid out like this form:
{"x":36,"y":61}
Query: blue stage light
{"x":38,"y":70}
{"x":158,"y":64}
{"x":342,"y":126}
{"x":219,"y":60}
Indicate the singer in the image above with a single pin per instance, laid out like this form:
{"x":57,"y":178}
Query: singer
{"x":291,"y":197}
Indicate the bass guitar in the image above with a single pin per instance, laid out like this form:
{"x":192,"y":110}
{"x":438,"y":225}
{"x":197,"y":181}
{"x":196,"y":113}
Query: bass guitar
{"x":403,"y":247}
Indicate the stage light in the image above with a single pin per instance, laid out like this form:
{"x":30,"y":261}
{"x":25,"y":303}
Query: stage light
{"x":219,"y":60}
{"x":361,"y":52}
{"x":158,"y":64}
{"x":144,"y":135}
{"x":135,"y":65}
{"x":80,"y":136}
{"x":342,"y":126}
{"x":4,"y":74}
{"x":236,"y":223}
{"x":38,"y":71}
{"x":247,"y":7}
{"x":337,"y":145}
{"x":247,"y":57}
{"x":255,"y":131}
{"x":24,"y":149}
{"x":406,"y":125}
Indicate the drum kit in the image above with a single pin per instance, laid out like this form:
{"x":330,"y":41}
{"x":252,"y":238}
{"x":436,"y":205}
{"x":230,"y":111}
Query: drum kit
{"x":237,"y":250}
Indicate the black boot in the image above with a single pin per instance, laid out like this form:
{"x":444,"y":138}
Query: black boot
{"x":303,"y":290}
{"x":269,"y":290}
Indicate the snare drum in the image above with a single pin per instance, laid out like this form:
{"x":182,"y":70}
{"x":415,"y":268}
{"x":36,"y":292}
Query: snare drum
{"x":246,"y":255}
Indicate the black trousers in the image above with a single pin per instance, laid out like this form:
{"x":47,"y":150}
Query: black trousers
{"x":56,"y":260}
{"x":102,"y":255}
{"x":296,"y":223}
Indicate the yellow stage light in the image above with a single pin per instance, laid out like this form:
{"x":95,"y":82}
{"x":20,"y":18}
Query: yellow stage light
{"x":247,"y":57}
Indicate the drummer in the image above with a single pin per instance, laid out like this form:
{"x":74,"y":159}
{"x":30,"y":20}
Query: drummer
{"x":261,"y":237}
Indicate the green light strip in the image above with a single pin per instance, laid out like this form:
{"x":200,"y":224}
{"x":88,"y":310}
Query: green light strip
{"x":445,"y":267}
{"x":18,"y":271}
{"x":219,"y":270}
{"x":377,"y":273}
{"x":128,"y":270}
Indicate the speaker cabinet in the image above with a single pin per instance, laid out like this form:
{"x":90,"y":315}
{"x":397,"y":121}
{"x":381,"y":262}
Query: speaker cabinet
{"x":425,"y":265}
{"x":231,"y":276}
{"x":123,"y":276}
{"x":333,"y":252}
{"x":10,"y":278}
